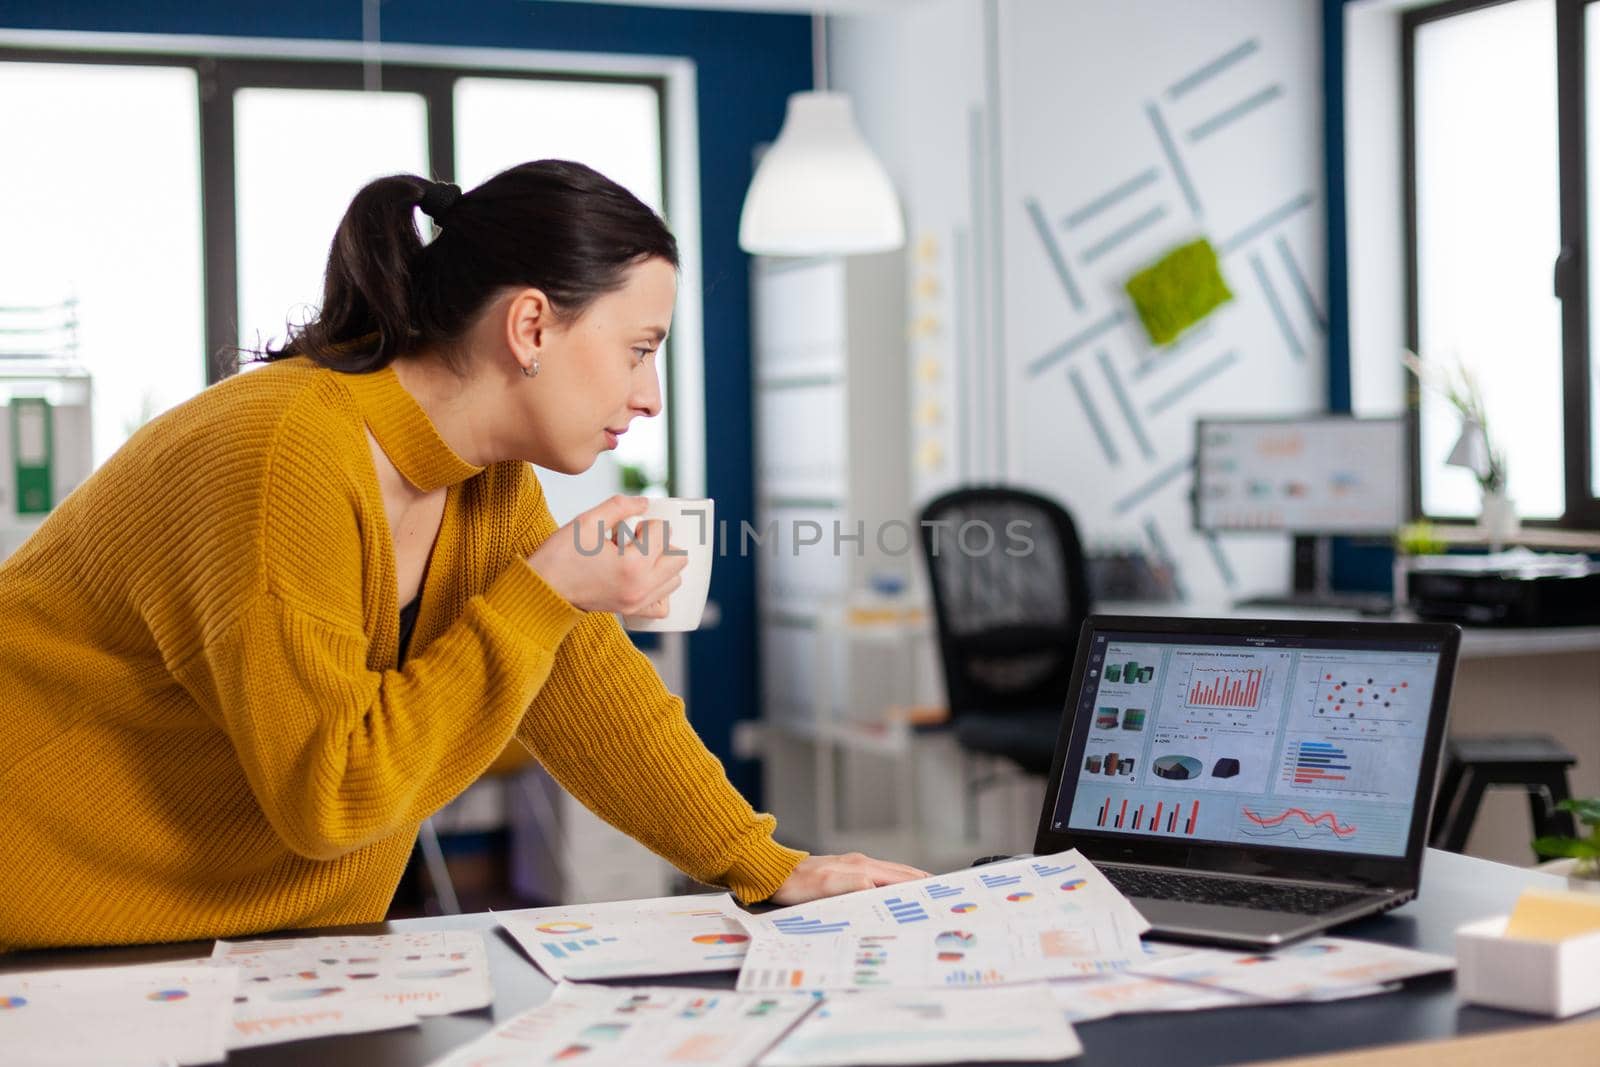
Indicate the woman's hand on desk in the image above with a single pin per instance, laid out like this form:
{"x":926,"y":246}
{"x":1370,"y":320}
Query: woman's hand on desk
{"x":828,"y":876}
{"x":593,"y":570}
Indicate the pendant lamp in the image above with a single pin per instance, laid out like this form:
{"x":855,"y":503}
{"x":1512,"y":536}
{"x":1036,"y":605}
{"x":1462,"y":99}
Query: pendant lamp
{"x":819,"y":190}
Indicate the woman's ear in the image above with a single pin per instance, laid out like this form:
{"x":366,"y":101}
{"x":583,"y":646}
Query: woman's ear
{"x":528,"y":319}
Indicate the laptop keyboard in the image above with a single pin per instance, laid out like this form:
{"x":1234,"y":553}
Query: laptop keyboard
{"x":1234,"y":893}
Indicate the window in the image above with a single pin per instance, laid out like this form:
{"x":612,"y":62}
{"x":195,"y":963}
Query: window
{"x":1495,"y":206}
{"x":186,"y":203}
{"x":616,"y":129}
{"x":103,"y":184}
{"x":288,"y":207}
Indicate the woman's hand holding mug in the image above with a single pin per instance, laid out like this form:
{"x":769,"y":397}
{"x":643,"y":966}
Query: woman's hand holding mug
{"x":597,"y":565}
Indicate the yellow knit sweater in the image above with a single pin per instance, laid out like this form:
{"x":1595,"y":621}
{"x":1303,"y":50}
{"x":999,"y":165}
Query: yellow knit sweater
{"x":203,"y":732}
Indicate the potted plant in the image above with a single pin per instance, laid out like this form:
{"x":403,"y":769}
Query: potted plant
{"x":1577,"y":857}
{"x":1474,"y":449}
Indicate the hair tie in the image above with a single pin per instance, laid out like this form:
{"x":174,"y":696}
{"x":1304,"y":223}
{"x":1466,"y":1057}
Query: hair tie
{"x":438,"y":199}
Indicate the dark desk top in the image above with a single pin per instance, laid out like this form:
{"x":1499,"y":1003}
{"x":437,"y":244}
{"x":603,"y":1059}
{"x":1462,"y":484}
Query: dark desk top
{"x":1455,"y":889}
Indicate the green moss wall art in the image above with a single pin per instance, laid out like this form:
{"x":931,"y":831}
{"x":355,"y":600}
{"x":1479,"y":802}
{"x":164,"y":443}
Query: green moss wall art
{"x":1178,"y":290}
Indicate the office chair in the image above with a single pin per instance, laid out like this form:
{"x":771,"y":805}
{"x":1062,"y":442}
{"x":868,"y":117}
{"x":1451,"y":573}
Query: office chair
{"x":1009,"y":608}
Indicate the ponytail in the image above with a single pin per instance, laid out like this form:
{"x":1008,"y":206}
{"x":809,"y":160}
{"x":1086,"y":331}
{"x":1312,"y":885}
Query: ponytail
{"x":555,"y":226}
{"x":366,"y":313}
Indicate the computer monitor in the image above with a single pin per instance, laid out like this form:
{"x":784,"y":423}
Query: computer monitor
{"x":1312,"y":476}
{"x":1318,"y":475}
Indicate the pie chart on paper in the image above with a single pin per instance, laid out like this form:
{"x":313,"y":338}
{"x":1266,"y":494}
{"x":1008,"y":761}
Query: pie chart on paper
{"x":562,"y":928}
{"x":721,"y":939}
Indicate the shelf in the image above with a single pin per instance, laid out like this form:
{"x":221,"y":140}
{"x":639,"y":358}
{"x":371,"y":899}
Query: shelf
{"x":1528,"y":537}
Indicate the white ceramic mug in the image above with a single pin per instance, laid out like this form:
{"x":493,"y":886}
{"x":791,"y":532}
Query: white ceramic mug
{"x":691,"y":528}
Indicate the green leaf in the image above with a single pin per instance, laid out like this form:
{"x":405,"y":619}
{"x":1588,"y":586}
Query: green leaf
{"x":1566,"y":846}
{"x":1586,"y":809}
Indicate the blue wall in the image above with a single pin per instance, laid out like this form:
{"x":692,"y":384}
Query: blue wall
{"x":1361,"y":565}
{"x":747,"y":64}
{"x":1333,"y":157}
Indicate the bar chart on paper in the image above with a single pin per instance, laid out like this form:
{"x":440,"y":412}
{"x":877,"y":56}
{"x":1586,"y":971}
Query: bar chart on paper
{"x":563,"y":949}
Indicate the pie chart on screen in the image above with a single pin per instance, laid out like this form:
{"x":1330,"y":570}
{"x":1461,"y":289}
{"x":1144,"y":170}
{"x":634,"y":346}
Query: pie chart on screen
{"x":721,"y":939}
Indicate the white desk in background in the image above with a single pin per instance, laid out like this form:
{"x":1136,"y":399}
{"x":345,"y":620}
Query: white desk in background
{"x":1509,"y":680}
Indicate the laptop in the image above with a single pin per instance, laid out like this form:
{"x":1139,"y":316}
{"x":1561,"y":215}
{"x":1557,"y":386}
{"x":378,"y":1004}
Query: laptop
{"x":1252,"y":782}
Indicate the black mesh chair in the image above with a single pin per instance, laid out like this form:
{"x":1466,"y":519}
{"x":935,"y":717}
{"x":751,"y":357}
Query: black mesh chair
{"x":1010,"y":593}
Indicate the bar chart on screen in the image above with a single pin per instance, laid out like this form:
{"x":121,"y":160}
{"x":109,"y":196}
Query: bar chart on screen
{"x":1148,"y":816}
{"x":1225,"y":688}
{"x":1337,"y":767}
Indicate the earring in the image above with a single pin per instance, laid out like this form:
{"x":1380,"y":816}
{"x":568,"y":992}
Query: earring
{"x":531,"y":370}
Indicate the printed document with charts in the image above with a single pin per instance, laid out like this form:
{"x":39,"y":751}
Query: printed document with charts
{"x":103,"y":1016}
{"x":632,"y":938}
{"x":295,"y":988}
{"x":618,"y":1026}
{"x":1319,"y":969}
{"x":1025,"y":920}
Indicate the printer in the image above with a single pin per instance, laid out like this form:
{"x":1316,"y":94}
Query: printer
{"x":1515,"y":588}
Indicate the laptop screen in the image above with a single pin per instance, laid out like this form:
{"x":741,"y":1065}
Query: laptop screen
{"x":1291,"y":742}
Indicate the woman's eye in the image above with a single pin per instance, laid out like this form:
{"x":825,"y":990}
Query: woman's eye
{"x":641,"y":354}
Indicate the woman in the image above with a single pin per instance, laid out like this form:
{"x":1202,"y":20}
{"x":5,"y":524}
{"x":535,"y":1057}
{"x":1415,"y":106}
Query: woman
{"x":296,"y":615}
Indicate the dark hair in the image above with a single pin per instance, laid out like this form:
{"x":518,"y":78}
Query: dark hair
{"x":556,"y":226}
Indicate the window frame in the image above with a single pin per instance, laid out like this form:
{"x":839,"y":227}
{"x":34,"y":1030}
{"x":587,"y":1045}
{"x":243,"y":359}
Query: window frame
{"x":223,"y":68}
{"x":1569,"y":271}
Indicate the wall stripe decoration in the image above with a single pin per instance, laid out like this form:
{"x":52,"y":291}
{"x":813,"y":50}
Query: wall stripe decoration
{"x":1170,"y":150}
{"x":963,"y":287}
{"x":1123,"y":402}
{"x":1230,"y":115}
{"x":1198,"y":133}
{"x":1300,"y":284}
{"x":1153,"y":486}
{"x":1162,"y":358}
{"x":1076,"y":342}
{"x":997,"y":259}
{"x":1213,"y":68}
{"x":1092,"y":413}
{"x":1122,"y":233}
{"x":1265,"y":223}
{"x":1111,"y":199}
{"x":982,"y":293}
{"x":1163,"y":552}
{"x":1193,"y":382}
{"x":1276,"y":304}
{"x":1220,"y":558}
{"x":1052,"y":248}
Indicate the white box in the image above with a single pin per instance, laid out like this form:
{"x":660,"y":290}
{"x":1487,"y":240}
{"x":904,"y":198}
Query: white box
{"x":1558,"y":978}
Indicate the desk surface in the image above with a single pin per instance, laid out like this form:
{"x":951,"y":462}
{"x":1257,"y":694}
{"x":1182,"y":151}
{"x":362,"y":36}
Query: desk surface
{"x":1454,"y":890}
{"x":1476,"y":641}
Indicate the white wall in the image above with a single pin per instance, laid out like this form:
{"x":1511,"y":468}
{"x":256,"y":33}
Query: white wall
{"x":981,"y":109}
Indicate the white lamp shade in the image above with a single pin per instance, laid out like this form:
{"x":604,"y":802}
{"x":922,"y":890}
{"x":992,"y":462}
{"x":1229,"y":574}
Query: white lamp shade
{"x":1471,"y":449}
{"x":819,"y":190}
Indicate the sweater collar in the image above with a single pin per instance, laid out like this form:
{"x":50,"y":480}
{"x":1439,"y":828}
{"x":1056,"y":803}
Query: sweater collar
{"x":405,"y":433}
